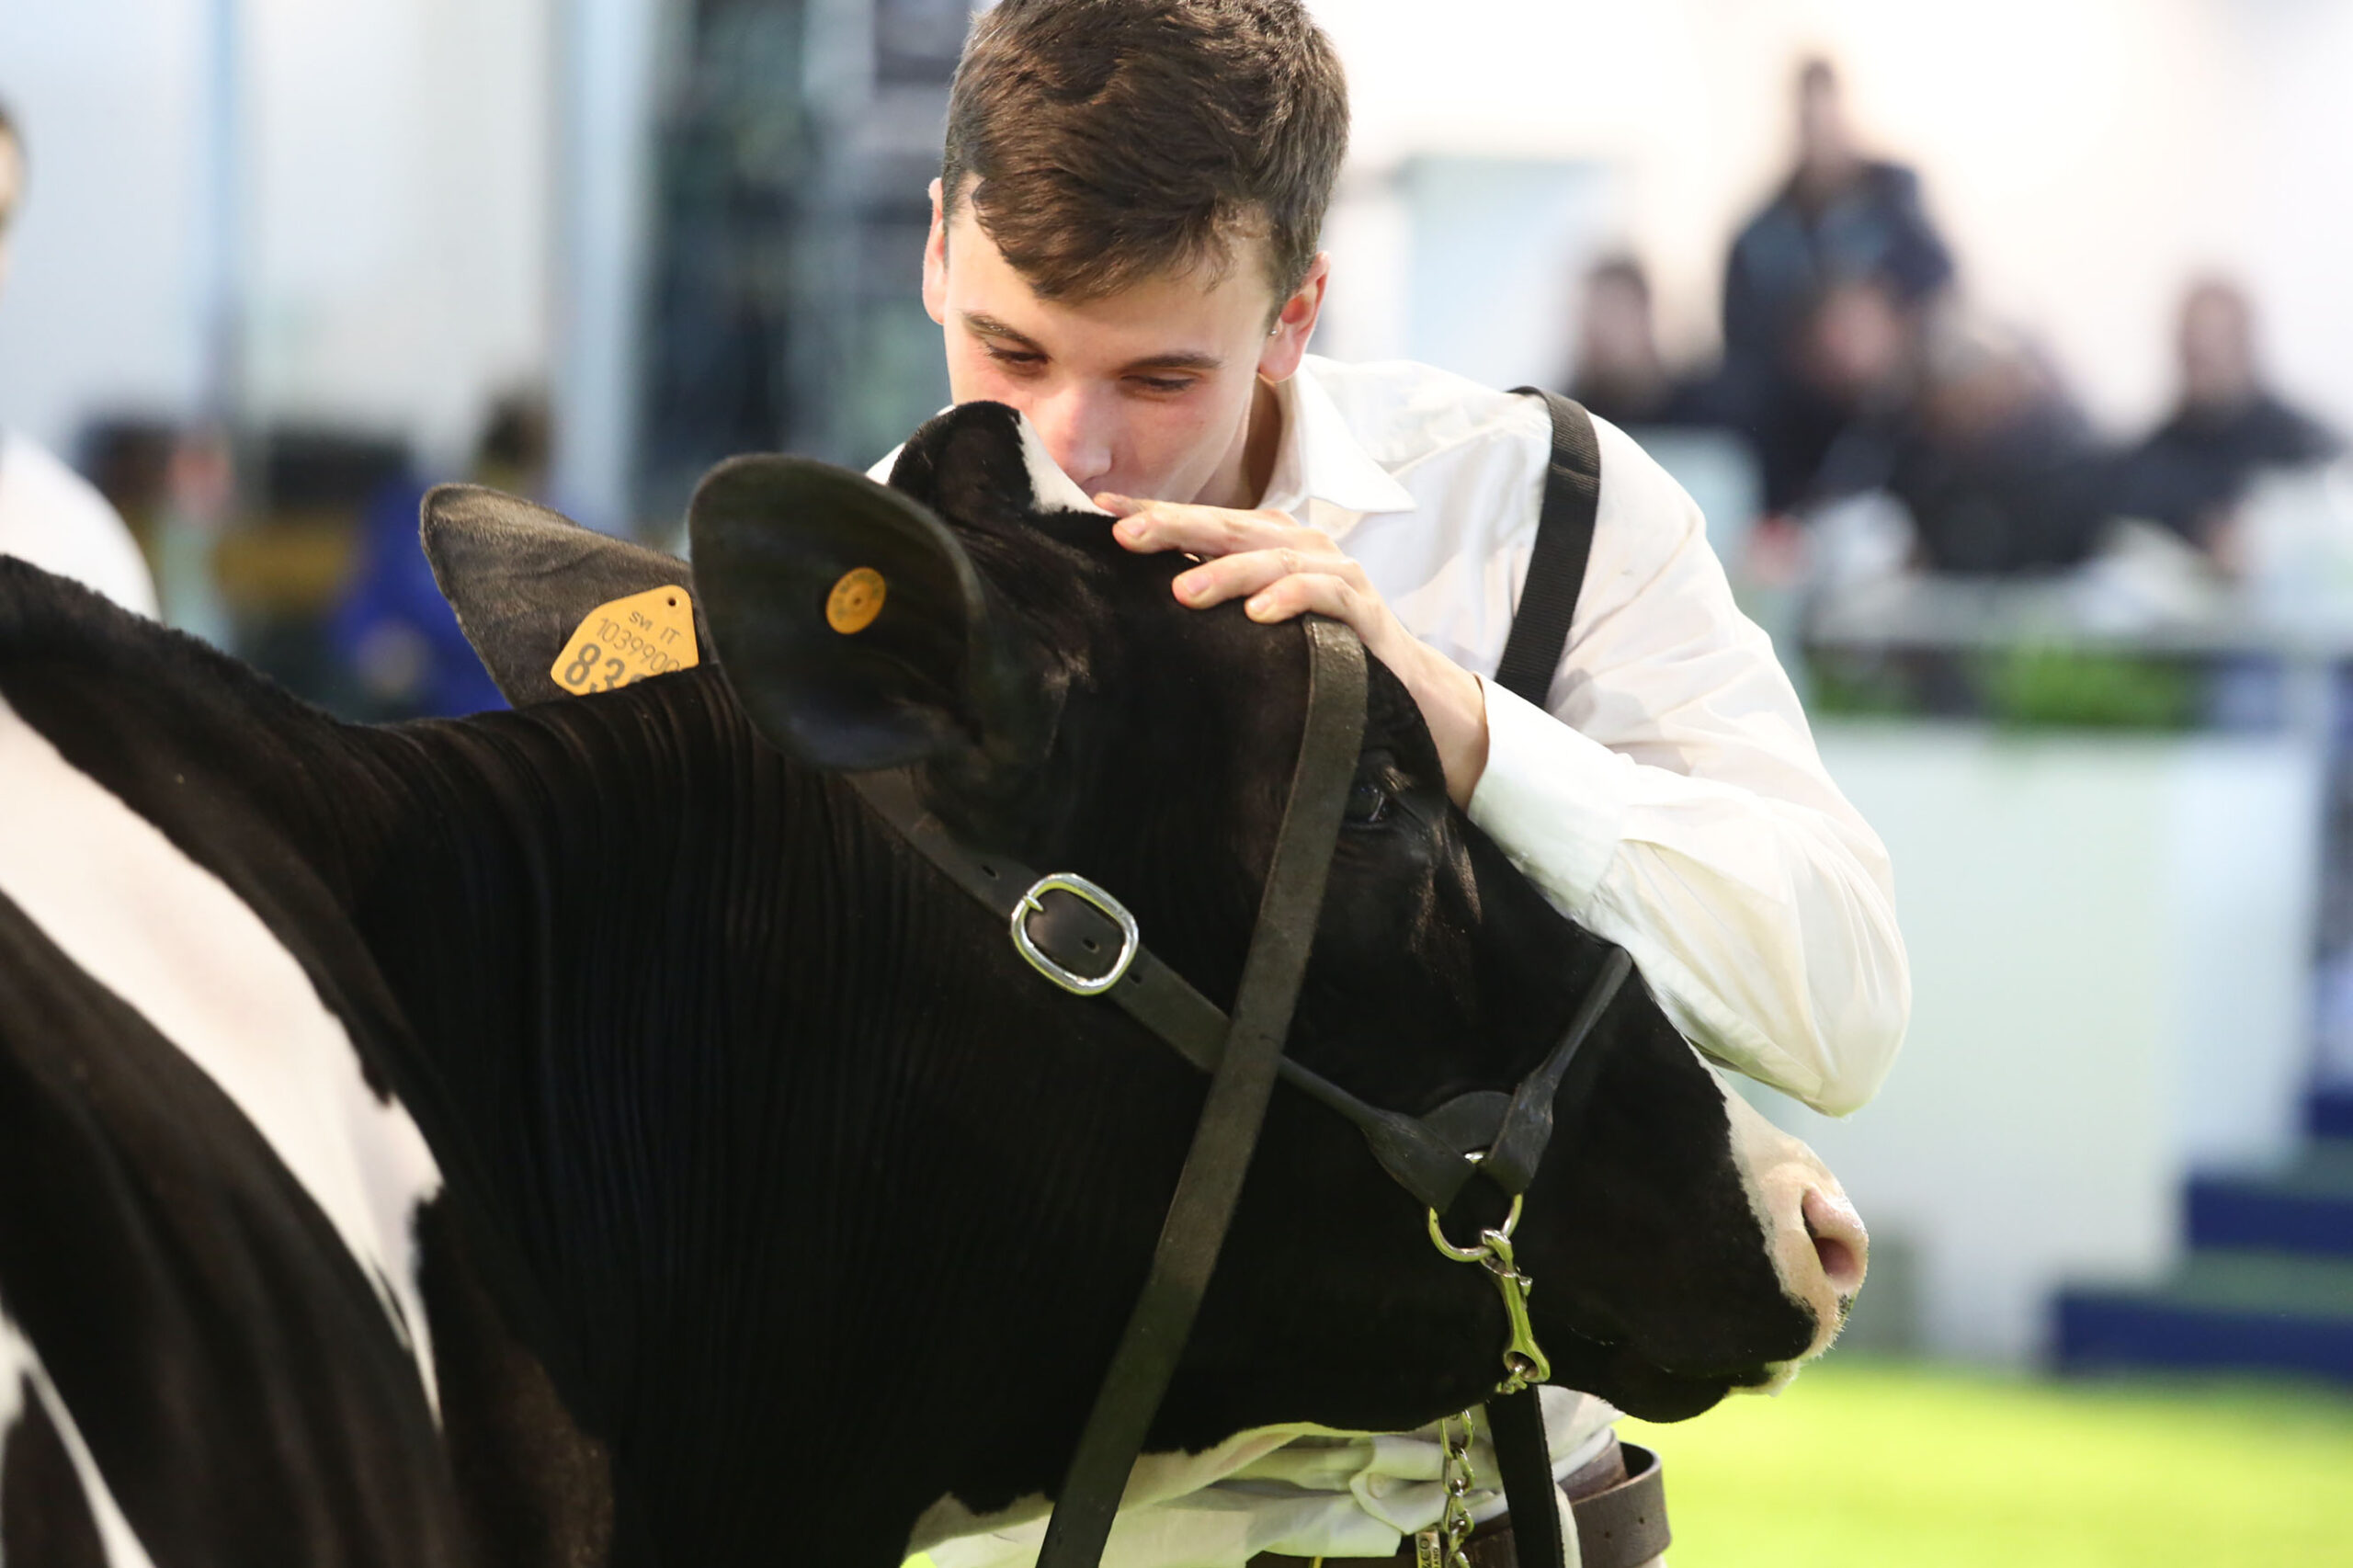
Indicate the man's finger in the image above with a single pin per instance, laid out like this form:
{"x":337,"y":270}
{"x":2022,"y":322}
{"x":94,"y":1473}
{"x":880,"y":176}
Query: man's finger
{"x":1207,"y":530}
{"x":1304,"y":591}
{"x":1324,"y":592}
{"x":1233,"y":577}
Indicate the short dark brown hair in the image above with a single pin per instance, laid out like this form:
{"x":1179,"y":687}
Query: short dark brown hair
{"x":1113,"y":140}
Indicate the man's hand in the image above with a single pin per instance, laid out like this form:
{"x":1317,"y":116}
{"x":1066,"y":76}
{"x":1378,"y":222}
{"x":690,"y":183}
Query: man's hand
{"x":1281,"y":570}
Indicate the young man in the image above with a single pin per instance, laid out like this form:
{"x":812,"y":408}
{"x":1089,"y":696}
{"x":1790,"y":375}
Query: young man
{"x":1123,"y":247}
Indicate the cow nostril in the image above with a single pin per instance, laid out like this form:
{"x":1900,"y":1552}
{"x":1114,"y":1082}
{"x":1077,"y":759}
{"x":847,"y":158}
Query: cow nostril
{"x":1840,"y":1244}
{"x":1838,"y":1259}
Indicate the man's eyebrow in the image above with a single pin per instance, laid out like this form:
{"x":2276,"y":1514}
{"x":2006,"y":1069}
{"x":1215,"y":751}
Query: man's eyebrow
{"x":989,"y":327}
{"x":1175,"y":359}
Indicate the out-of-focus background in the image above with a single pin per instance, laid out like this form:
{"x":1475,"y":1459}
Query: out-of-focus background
{"x":2008,"y":345}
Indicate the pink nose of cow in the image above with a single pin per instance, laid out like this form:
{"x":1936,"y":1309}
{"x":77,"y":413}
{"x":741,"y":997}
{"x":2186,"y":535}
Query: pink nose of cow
{"x":1839,"y":1240}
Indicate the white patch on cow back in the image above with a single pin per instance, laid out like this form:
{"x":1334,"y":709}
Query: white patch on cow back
{"x":1051,"y":489}
{"x":20,"y":1369}
{"x":169,"y":938}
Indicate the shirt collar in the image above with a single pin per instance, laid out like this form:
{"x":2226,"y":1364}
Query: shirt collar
{"x":1320,"y":458}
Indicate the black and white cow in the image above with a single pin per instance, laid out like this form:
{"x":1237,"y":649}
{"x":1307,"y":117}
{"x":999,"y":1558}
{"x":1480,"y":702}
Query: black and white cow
{"x":583,"y":1135}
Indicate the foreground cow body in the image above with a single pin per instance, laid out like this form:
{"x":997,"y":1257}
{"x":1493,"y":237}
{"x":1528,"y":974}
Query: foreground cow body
{"x":770,"y":1197}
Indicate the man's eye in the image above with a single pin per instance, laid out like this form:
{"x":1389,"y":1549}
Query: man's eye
{"x":1162,"y":385}
{"x":1015,"y":358}
{"x":1367,"y":803}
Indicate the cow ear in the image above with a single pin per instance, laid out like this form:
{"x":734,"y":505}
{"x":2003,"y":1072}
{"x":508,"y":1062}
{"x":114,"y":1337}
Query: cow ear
{"x":522,"y":578}
{"x":852,"y":622}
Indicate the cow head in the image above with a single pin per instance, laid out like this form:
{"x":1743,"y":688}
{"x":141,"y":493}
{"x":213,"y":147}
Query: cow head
{"x":1061,"y":706}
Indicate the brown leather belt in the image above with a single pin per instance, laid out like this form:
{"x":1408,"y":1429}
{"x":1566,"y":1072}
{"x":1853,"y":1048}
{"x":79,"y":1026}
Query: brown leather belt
{"x":1618,"y":1501}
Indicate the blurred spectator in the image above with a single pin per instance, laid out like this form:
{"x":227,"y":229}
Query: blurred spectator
{"x":1840,"y":219}
{"x":128,"y":460}
{"x":394,"y":630}
{"x":1619,"y":373}
{"x":49,"y":514}
{"x":2192,"y":472}
{"x":1998,"y":468}
{"x":1862,"y":352}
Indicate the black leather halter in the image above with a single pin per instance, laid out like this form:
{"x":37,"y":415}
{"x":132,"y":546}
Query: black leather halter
{"x":1083,"y":940}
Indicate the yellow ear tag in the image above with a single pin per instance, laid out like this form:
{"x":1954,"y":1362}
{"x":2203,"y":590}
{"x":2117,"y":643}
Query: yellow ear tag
{"x":650,"y":633}
{"x":856,"y":600}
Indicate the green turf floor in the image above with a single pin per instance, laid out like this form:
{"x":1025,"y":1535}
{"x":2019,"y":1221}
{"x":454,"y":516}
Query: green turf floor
{"x":1870,"y":1464}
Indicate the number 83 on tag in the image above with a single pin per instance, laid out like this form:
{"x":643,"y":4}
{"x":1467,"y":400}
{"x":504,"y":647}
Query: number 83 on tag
{"x":627,"y":639}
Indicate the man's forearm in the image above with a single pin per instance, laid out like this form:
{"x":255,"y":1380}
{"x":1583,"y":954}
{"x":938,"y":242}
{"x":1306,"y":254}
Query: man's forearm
{"x":1766,"y":930}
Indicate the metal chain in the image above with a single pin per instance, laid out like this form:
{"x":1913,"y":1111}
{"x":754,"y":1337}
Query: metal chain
{"x":1524,"y":1363}
{"x":1459,"y":1478}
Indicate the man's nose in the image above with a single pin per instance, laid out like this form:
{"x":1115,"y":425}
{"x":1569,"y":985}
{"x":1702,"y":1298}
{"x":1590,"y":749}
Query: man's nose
{"x":1077,"y":436}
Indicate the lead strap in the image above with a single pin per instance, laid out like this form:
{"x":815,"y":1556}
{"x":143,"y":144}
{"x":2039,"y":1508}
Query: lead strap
{"x":1210,"y":1181}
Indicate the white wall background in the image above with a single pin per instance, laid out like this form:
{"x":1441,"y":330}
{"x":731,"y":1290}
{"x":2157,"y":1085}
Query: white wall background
{"x":399,"y":159}
{"x":2108,"y":939}
{"x":392,"y":239}
{"x":102,"y":307}
{"x":2086,"y":156}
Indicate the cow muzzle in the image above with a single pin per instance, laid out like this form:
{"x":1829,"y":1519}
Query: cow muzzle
{"x":1816,"y":1239}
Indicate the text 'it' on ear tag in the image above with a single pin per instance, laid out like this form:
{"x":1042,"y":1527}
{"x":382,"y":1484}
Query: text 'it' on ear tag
{"x":856,"y":600}
{"x":627,"y":639}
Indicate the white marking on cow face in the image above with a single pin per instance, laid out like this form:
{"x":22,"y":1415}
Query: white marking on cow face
{"x":1050,"y":489}
{"x":1817,"y":1241}
{"x":170,"y":939}
{"x":20,"y":1369}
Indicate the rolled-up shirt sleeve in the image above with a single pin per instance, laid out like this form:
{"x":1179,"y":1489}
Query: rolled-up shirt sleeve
{"x":1673,"y":801}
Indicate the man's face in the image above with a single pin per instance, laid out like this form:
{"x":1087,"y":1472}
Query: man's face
{"x":1145,"y":392}
{"x":1824,"y":140}
{"x":1616,"y":338}
{"x":2217,"y":347}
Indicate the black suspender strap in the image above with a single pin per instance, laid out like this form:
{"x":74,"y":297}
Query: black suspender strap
{"x":1540,"y":628}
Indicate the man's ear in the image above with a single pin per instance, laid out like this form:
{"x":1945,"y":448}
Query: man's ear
{"x":852,"y":624}
{"x":935,"y":260}
{"x":523,"y":578}
{"x":1295,"y":323}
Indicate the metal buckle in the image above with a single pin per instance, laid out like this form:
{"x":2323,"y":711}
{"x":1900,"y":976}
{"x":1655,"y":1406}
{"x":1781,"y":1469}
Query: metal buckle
{"x":1131,"y":938}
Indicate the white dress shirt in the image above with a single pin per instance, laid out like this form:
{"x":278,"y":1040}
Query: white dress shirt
{"x":51,"y":517}
{"x":1678,"y":806}
{"x":1668,"y":797}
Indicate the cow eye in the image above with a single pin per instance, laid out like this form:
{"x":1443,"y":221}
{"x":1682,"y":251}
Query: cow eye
{"x":1367,"y":803}
{"x":1376,"y":786}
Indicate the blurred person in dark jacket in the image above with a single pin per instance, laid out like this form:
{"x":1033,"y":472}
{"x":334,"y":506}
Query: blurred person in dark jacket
{"x":1839,"y":219}
{"x":394,"y":630}
{"x":2192,"y":470}
{"x":1999,"y":468}
{"x":49,"y":514}
{"x":1618,"y":373}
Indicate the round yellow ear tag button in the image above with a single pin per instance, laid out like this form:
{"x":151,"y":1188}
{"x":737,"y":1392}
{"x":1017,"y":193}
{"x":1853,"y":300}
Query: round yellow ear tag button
{"x":856,"y":600}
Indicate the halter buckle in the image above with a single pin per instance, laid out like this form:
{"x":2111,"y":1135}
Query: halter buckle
{"x":1078,"y":887}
